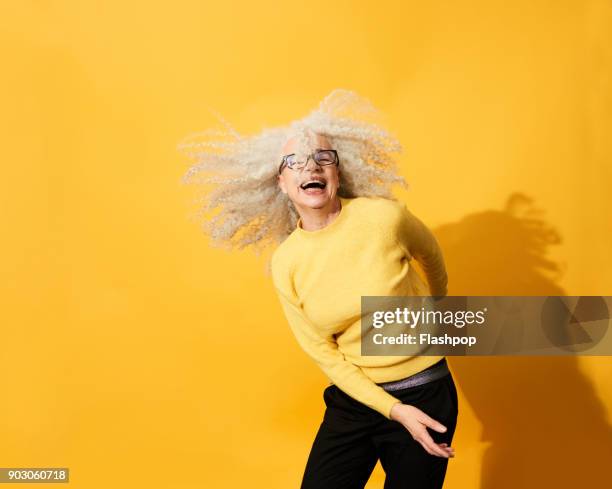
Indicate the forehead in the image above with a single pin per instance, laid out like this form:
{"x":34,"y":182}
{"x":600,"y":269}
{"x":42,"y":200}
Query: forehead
{"x":318,"y":141}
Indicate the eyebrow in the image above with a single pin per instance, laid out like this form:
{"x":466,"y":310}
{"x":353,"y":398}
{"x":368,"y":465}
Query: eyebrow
{"x":317,"y":149}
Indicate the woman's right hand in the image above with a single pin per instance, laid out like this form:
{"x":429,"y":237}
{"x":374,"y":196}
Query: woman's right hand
{"x":416,"y":422}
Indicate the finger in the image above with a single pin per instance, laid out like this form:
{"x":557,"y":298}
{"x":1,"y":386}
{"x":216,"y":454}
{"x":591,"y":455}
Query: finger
{"x":449,"y":450}
{"x":445,"y":446}
{"x":433,"y":446}
{"x":435,"y":450}
{"x":432,"y":423}
{"x":420,"y":437}
{"x":426,"y":448}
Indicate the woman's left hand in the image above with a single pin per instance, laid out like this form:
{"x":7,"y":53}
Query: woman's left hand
{"x":417,"y":422}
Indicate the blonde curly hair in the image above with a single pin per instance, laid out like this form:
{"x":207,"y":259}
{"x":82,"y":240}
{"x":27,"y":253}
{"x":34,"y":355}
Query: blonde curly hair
{"x":244,"y":169}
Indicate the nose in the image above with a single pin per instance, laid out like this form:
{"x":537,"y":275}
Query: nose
{"x":311,"y":164}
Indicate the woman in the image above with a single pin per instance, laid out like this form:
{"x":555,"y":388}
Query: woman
{"x":342,"y":236}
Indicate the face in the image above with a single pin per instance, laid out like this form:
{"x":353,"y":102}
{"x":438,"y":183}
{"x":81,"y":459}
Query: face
{"x":292,"y":182}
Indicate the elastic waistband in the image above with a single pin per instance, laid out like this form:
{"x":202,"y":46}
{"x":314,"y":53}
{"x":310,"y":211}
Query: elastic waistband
{"x":434,"y":372}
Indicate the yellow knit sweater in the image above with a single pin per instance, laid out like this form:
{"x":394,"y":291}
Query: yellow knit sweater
{"x":320,"y":276}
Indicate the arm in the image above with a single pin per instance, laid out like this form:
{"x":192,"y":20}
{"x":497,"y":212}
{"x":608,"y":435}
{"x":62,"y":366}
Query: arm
{"x":324,"y":351}
{"x":419,"y":242}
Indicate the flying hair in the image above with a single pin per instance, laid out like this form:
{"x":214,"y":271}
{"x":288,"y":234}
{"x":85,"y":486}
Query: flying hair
{"x":238,"y":174}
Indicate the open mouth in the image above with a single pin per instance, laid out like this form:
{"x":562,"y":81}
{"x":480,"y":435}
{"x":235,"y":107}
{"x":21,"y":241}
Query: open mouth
{"x":313,"y":186}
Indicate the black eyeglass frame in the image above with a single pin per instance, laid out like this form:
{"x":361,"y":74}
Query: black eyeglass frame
{"x":336,"y":162}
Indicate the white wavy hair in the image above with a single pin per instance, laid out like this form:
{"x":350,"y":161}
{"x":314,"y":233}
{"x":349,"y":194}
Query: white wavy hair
{"x":243,"y":170}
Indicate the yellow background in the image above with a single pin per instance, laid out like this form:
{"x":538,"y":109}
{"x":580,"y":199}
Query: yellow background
{"x":137,"y":356}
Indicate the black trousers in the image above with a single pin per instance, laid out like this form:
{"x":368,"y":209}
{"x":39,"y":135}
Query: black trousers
{"x":353,"y":437}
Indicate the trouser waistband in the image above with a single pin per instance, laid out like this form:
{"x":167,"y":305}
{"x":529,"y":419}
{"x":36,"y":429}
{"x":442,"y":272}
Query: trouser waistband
{"x":434,"y":372}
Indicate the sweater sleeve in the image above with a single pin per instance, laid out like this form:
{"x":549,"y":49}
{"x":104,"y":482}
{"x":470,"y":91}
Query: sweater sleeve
{"x":324,"y":351}
{"x":419,"y":242}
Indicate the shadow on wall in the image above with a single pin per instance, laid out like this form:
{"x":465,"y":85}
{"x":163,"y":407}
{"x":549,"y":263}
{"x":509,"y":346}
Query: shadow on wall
{"x":541,"y":415}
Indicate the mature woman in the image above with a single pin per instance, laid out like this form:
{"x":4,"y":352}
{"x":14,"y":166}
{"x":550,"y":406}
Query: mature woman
{"x":320,"y":188}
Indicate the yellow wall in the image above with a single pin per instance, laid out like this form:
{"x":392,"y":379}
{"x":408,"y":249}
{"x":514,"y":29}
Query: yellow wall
{"x":124,"y":336}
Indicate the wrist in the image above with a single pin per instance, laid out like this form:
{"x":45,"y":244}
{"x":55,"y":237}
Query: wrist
{"x":393,"y":411}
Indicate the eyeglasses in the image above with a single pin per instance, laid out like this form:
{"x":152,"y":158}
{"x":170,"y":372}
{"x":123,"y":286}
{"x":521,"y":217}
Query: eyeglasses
{"x":322,"y":157}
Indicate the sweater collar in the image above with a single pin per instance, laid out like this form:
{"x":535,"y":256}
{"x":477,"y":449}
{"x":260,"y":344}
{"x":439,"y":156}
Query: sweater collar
{"x":344,"y":203}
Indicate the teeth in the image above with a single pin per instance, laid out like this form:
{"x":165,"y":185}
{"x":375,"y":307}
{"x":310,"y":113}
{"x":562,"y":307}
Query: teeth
{"x":313,"y":181}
